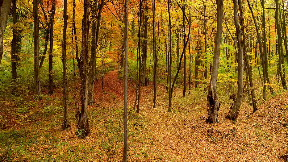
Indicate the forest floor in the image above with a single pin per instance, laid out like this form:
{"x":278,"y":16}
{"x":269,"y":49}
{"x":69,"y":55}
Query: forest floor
{"x":31,"y":130}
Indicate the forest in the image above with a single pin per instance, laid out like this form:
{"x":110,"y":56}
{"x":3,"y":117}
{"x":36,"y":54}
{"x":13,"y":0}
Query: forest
{"x":139,"y":80}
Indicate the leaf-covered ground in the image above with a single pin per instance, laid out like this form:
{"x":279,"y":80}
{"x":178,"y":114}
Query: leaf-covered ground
{"x":31,"y":130}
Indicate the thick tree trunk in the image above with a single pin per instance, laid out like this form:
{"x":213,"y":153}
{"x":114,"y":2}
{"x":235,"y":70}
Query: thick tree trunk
{"x":36,"y":49}
{"x":234,"y":111}
{"x":4,"y":12}
{"x":213,"y":103}
{"x":65,"y":93}
{"x":83,"y":125}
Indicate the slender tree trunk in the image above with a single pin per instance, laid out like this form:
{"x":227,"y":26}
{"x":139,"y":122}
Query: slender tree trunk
{"x":4,"y":12}
{"x":144,"y":80}
{"x":184,"y":51}
{"x":169,"y":58}
{"x":15,"y":49}
{"x":83,"y":125}
{"x":154,"y":57}
{"x":213,"y":103}
{"x":190,"y":56}
{"x":139,"y":58}
{"x":265,"y":74}
{"x":75,"y":36}
{"x":234,"y":112}
{"x":197,"y":60}
{"x":36,"y":49}
{"x":51,"y":84}
{"x":47,"y":32}
{"x":65,"y":95}
{"x":125,"y":149}
{"x":205,"y":46}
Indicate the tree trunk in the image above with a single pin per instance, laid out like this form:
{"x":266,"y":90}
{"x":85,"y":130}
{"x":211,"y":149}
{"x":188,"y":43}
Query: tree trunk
{"x":65,"y":95}
{"x":213,"y":103}
{"x":184,"y":50}
{"x":83,"y":125}
{"x":169,"y":58}
{"x":139,"y":58}
{"x":154,"y":57}
{"x":4,"y":12}
{"x":205,"y":46}
{"x":125,"y":149}
{"x":15,"y":49}
{"x":36,"y":49}
{"x":144,"y":79}
{"x":51,"y":84}
{"x":234,"y":111}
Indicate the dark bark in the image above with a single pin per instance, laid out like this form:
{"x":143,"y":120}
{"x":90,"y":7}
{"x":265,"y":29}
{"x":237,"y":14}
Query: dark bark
{"x":36,"y":49}
{"x":212,"y":98}
{"x":125,"y":149}
{"x":184,"y":50}
{"x":50,"y":61}
{"x":83,"y":125}
{"x":139,"y":60}
{"x":154,"y":57}
{"x":65,"y":93}
{"x":234,"y":111}
{"x":144,"y":78}
{"x":15,"y":48}
{"x":169,"y":59}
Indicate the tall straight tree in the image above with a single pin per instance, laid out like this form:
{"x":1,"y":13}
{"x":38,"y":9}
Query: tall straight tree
{"x":154,"y":57}
{"x":234,"y":112}
{"x":15,"y":47}
{"x":4,"y":12}
{"x":213,"y":103}
{"x":50,"y":62}
{"x":83,"y":125}
{"x":169,"y":59}
{"x":125,"y":149}
{"x":184,"y":51}
{"x":36,"y":49}
{"x":65,"y":95}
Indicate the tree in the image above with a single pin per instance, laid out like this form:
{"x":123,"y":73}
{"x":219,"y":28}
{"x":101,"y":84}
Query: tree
{"x":213,"y":103}
{"x":64,"y":58}
{"x":15,"y":47}
{"x":234,"y":111}
{"x":154,"y":57}
{"x":83,"y":125}
{"x":169,"y":58}
{"x":125,"y":81}
{"x":4,"y":11}
{"x":36,"y":49}
{"x":51,"y":26}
